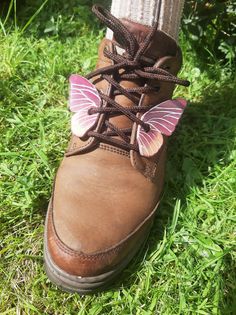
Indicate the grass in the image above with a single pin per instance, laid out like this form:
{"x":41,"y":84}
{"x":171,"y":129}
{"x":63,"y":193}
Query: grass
{"x":189,"y":263}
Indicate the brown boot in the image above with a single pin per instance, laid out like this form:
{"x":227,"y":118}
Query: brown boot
{"x":109,"y":183}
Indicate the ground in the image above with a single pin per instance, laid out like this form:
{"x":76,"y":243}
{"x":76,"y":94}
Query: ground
{"x":188,"y":265}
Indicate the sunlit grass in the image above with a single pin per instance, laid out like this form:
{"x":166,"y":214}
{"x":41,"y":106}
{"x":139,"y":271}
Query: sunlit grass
{"x":188,"y":265}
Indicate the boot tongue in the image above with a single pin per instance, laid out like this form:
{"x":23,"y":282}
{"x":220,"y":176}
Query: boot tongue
{"x":161,"y":45}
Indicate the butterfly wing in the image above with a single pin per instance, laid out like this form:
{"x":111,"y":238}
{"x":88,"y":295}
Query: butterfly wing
{"x":83,"y":96}
{"x":162,"y":119}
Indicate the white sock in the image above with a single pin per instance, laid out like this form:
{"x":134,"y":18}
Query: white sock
{"x":167,"y":12}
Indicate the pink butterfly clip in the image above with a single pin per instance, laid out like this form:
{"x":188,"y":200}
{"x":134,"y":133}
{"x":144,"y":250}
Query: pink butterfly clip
{"x":162,"y":119}
{"x":83,"y":96}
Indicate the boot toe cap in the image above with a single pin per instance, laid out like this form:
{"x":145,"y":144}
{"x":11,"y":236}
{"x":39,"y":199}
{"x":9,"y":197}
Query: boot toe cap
{"x":78,"y":263}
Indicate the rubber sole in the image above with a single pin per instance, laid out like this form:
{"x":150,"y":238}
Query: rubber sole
{"x":84,"y":285}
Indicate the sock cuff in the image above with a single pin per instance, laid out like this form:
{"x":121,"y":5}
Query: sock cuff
{"x":167,"y":12}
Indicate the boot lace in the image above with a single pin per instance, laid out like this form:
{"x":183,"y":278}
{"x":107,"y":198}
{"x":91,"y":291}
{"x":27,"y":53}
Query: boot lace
{"x":131,"y":65}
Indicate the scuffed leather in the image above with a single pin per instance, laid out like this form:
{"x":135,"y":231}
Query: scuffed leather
{"x":88,"y":265}
{"x":104,"y":198}
{"x":99,"y":199}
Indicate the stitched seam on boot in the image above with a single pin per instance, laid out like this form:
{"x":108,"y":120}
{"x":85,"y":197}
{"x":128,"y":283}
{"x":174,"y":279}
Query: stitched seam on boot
{"x":113,"y":150}
{"x":88,"y":142}
{"x":106,"y":251}
{"x":83,"y":256}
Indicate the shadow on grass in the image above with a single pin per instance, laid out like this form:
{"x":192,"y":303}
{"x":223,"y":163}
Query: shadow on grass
{"x":203,"y":139}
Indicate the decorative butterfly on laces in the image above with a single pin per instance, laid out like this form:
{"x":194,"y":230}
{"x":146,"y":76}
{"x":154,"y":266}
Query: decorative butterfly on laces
{"x":162,"y":118}
{"x":83,"y":95}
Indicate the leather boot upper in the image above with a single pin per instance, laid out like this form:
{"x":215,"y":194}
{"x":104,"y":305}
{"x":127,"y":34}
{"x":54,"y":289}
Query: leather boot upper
{"x":104,"y":196}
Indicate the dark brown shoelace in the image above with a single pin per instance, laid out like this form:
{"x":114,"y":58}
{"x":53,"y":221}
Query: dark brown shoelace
{"x":134,"y":66}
